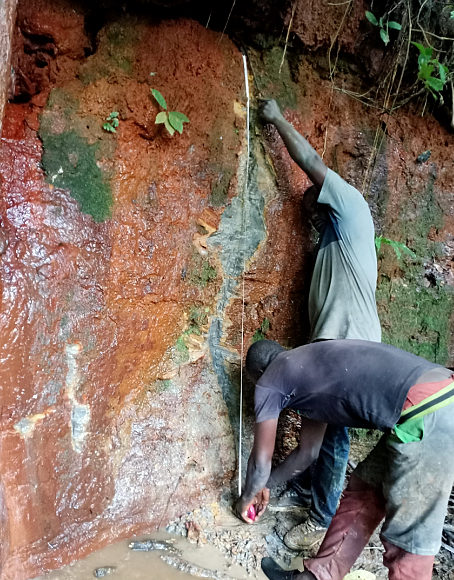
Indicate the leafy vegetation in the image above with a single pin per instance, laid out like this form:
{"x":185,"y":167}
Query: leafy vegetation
{"x":112,"y":122}
{"x":173,"y":120}
{"x":202,"y":273}
{"x":409,"y":78}
{"x":427,"y":66}
{"x":384,"y":26}
{"x":197,"y":317}
{"x":398,"y":247}
{"x":261,"y":332}
{"x":181,"y":351}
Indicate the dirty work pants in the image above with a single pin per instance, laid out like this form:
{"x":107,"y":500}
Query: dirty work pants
{"x":409,"y":485}
{"x":326,"y":477}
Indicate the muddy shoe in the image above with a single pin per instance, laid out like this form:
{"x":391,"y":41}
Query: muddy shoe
{"x":275,"y":572}
{"x":289,"y":501}
{"x":306,"y":537}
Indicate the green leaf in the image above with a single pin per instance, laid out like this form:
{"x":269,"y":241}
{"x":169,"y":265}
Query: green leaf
{"x":181,"y":116}
{"x":108,"y":127}
{"x":384,"y":36}
{"x":426,"y":57}
{"x":176,"y":122}
{"x":395,"y":25}
{"x":169,"y":127}
{"x":161,"y":117}
{"x":157,"y":95}
{"x":442,"y":70}
{"x":435,"y":84}
{"x":425,"y":53}
{"x":380,"y":22}
{"x":420,"y":47}
{"x":371,"y":18}
{"x":425,"y":71}
{"x":152,"y":74}
{"x":408,"y":251}
{"x":113,"y":115}
{"x":115,"y":122}
{"x":396,"y":248}
{"x":452,"y":14}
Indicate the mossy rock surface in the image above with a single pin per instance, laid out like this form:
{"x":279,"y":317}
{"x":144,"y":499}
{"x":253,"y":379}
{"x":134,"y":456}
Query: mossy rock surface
{"x":201,"y":272}
{"x":70,"y":163}
{"x":415,"y":313}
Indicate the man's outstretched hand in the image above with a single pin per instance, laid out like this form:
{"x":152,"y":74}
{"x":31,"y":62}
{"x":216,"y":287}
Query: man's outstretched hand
{"x":269,"y":111}
{"x":260,"y":502}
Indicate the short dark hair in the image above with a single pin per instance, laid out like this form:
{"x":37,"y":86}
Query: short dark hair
{"x":260,"y":355}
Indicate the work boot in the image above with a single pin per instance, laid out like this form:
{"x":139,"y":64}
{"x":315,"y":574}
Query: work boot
{"x":274,"y":572}
{"x":289,"y":501}
{"x":306,"y":537}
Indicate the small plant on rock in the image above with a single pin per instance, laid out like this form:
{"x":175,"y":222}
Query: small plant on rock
{"x":173,"y":120}
{"x":428,"y":65}
{"x":112,"y":122}
{"x":384,"y":26}
{"x":260,"y":334}
{"x":398,"y":247}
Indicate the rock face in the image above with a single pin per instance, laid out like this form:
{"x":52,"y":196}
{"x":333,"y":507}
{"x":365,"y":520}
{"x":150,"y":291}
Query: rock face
{"x":7,"y":18}
{"x":122,"y":270}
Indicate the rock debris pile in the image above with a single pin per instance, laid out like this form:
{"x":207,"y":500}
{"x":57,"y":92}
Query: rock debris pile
{"x":241,"y":544}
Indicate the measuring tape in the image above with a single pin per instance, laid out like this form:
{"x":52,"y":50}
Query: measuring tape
{"x":240,"y":446}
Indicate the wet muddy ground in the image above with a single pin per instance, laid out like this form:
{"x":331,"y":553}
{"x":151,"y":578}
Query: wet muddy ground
{"x":177,"y":560}
{"x":211,"y":542}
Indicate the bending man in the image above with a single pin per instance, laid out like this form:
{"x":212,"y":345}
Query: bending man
{"x":406,"y":479}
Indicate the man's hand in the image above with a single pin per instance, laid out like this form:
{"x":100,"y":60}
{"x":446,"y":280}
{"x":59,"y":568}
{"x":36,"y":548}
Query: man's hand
{"x":269,"y":111}
{"x":260,"y":502}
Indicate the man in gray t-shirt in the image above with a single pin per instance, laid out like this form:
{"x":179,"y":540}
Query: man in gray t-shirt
{"x":342,"y":292}
{"x":341,"y":305}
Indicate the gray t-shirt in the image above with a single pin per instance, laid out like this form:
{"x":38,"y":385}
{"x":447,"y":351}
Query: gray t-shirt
{"x":342,"y":292}
{"x":351,"y":383}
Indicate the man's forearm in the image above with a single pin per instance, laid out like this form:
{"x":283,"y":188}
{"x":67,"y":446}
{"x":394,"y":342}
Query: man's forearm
{"x":301,"y":151}
{"x":257,"y":475}
{"x":297,"y":462}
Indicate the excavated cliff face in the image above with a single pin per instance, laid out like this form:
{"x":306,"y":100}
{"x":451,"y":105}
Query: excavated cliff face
{"x":7,"y":18}
{"x":122,"y":275}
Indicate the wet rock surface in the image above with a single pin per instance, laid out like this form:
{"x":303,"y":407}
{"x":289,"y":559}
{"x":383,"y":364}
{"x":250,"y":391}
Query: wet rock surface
{"x":7,"y":74}
{"x":104,"y":571}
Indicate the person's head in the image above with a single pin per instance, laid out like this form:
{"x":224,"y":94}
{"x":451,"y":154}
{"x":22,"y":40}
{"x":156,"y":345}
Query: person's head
{"x":260,"y":355}
{"x":315,"y":211}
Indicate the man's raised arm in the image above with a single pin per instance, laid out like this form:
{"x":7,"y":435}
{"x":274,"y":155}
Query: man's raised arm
{"x":299,"y":149}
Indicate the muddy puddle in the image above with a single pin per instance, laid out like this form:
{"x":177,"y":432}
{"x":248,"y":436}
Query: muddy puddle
{"x":119,"y":562}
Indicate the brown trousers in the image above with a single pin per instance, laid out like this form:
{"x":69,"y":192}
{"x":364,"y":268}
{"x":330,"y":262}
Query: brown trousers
{"x":360,"y":511}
